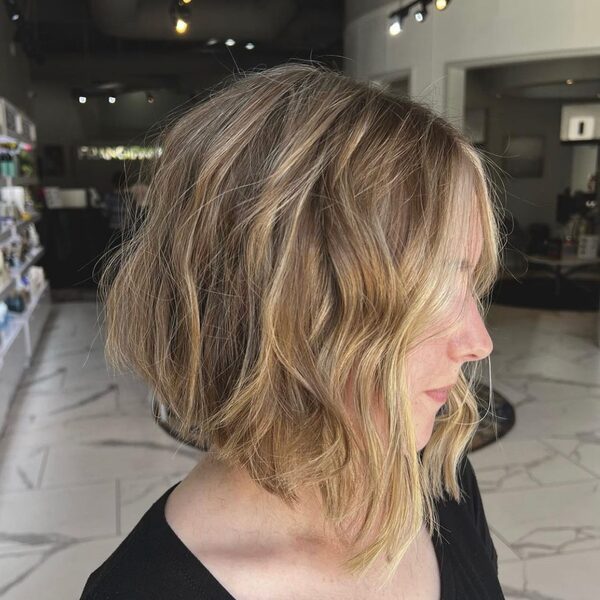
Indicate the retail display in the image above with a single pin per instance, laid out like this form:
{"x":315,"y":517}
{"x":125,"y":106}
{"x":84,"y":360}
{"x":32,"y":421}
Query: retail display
{"x":24,"y":291}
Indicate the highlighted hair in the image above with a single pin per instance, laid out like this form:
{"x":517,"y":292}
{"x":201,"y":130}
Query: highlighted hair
{"x":300,"y":238}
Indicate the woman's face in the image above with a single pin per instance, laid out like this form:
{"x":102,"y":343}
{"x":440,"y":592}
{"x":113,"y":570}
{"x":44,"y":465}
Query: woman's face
{"x":436,"y":363}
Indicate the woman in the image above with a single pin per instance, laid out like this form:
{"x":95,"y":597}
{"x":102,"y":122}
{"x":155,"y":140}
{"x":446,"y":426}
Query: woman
{"x":312,"y":265}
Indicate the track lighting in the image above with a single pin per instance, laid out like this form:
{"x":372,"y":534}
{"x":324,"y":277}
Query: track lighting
{"x":181,"y":26}
{"x":395,"y":24}
{"x":180,"y":16}
{"x":421,"y":13}
{"x":396,"y":19}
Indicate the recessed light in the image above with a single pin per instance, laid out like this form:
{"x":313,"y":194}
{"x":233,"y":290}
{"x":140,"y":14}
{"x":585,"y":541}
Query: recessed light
{"x":570,"y":82}
{"x":211,"y":41}
{"x":249,"y":46}
{"x":82,"y":99}
{"x":229,"y":42}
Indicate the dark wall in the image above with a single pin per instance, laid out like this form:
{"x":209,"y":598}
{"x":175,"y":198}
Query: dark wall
{"x":64,"y":122}
{"x":15,"y":81}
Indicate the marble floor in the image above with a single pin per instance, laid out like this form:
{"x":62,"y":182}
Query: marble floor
{"x":81,"y":459}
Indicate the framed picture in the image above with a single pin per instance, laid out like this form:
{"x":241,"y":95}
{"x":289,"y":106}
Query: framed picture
{"x":524,"y":156}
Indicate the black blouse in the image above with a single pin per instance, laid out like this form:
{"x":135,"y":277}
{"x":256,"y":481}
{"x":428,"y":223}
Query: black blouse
{"x":152,"y":563}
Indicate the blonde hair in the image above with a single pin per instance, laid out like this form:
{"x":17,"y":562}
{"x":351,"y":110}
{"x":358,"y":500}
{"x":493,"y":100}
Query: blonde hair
{"x":303,"y":227}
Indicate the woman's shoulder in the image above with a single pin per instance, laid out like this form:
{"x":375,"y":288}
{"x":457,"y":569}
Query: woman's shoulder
{"x":142,"y":565}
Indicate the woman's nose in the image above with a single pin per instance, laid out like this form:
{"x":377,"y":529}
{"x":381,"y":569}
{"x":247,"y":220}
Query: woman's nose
{"x":473,"y":340}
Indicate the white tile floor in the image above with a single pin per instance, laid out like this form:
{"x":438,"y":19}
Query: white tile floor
{"x":81,"y":459}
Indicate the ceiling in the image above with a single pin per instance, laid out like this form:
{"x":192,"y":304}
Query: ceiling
{"x":127,"y":45}
{"x":545,"y":79}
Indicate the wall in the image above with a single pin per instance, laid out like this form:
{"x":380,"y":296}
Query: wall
{"x":585,"y":163}
{"x":530,"y":200}
{"x":436,"y":55}
{"x":468,"y":34}
{"x":63,"y":121}
{"x":15,"y":81}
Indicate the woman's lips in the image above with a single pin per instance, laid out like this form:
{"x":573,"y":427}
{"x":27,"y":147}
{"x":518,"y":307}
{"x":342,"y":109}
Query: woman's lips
{"x":440,"y":396}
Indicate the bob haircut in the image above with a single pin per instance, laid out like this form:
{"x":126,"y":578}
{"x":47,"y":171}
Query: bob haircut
{"x":303,"y":234}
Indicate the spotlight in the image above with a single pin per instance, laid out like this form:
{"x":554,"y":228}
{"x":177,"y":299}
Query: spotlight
{"x":82,"y":99}
{"x":421,"y":14}
{"x":149,"y":98}
{"x":249,"y":46}
{"x":181,"y":26}
{"x":180,"y":16}
{"x":14,"y":14}
{"x":229,"y":42}
{"x":395,"y":26}
{"x":211,"y":41}
{"x":112,"y":99}
{"x":569,"y":82}
{"x":441,"y":4}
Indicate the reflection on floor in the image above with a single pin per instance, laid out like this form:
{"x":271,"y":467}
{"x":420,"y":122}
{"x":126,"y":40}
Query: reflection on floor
{"x":81,"y":459}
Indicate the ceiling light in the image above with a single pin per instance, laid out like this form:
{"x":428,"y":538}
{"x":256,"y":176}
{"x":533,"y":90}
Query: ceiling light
{"x":229,"y":42}
{"x":395,"y":26}
{"x":185,"y":1}
{"x":569,"y":81}
{"x":441,"y":4}
{"x":149,"y":98}
{"x":211,"y":41}
{"x":421,"y":14}
{"x":181,"y":26}
{"x":249,"y":46}
{"x":180,"y":16}
{"x":14,"y":14}
{"x":82,"y":99}
{"x":112,"y":99}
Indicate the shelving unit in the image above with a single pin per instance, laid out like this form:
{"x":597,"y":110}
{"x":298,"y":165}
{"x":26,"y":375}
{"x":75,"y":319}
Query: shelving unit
{"x":23,"y":332}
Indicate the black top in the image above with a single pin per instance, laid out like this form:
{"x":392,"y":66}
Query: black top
{"x":152,"y":563}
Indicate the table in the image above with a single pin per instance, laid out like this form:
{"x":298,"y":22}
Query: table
{"x":562,"y":267}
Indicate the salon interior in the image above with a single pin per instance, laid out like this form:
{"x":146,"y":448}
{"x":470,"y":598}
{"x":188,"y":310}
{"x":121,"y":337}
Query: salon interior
{"x":85,"y":88}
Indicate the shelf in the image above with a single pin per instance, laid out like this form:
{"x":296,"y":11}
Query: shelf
{"x":18,"y":181}
{"x":20,"y":228}
{"x":24,"y":316}
{"x":17,"y":321}
{"x":7,"y":289}
{"x":9,"y":335}
{"x":18,"y":271}
{"x":23,"y":224}
{"x":5,"y":237}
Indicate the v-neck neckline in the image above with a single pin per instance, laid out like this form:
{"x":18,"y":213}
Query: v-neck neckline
{"x":443,"y":558}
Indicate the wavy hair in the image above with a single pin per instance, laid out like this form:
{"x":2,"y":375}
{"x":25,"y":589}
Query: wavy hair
{"x":301,"y":237}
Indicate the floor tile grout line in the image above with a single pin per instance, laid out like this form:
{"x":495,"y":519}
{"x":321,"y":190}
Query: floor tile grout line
{"x":118,"y":504}
{"x":583,"y":467}
{"x":43,"y":467}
